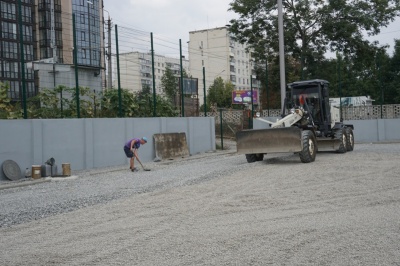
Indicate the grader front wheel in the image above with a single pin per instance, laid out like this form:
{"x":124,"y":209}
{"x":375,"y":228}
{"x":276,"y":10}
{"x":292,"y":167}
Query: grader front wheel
{"x":309,"y":148}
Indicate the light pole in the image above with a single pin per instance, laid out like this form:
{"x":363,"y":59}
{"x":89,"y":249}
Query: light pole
{"x":90,"y":41}
{"x":218,"y":75}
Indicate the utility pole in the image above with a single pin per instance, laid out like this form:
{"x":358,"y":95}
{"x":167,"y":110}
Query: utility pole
{"x":281,"y":55}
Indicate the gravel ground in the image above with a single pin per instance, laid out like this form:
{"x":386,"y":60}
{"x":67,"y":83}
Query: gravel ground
{"x":213,"y":209}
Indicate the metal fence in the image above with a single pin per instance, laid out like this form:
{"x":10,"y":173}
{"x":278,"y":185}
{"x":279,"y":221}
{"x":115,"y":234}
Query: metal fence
{"x":228,"y":121}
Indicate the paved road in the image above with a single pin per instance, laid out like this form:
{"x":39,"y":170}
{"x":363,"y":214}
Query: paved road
{"x":216,"y":209}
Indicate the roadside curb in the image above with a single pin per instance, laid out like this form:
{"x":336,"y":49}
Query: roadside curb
{"x":35,"y":182}
{"x":24,"y":183}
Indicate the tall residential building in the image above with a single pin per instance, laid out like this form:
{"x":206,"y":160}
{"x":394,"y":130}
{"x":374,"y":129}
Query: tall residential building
{"x":55,"y":34}
{"x":216,"y":51}
{"x":136,"y":70}
{"x":10,"y":56}
{"x":48,"y":44}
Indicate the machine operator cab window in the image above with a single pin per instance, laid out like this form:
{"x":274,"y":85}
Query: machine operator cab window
{"x":309,"y":100}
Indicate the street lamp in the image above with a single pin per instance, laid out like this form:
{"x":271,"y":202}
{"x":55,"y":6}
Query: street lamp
{"x":218,"y":74}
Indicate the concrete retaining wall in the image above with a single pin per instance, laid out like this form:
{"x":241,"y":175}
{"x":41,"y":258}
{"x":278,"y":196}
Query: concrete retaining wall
{"x":94,"y":143}
{"x":364,"y":130}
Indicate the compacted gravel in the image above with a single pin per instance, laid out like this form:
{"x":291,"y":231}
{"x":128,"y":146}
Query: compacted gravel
{"x":212,"y":209}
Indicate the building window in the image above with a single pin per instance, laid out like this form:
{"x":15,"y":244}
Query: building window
{"x":8,"y":10}
{"x":9,"y":30}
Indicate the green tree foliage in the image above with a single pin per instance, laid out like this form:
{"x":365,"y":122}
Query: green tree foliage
{"x":392,"y":92}
{"x":44,"y":105}
{"x":8,"y":110}
{"x":220,"y":93}
{"x":145,"y":102}
{"x":110,"y":103}
{"x":312,"y":27}
{"x":169,"y":84}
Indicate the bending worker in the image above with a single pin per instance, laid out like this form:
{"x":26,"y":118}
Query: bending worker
{"x":130,"y":149}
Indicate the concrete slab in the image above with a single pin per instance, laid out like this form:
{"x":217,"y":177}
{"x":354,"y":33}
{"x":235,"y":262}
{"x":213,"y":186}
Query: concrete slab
{"x":170,"y":145}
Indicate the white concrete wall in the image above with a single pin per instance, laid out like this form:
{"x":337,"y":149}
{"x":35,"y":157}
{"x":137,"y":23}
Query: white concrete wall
{"x":94,"y":143}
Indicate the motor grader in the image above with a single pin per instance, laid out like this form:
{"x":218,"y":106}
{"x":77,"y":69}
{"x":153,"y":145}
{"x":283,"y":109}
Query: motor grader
{"x":309,"y":124}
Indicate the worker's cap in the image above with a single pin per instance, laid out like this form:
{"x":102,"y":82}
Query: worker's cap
{"x":145,"y":139}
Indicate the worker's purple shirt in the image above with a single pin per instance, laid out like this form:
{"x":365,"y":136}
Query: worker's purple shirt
{"x":136,"y":145}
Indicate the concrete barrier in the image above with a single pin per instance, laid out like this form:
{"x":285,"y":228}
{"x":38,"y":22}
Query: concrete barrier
{"x":94,"y":143}
{"x":170,"y":145}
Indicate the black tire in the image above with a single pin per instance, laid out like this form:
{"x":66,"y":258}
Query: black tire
{"x":251,"y":158}
{"x":340,"y":134}
{"x":309,"y":147}
{"x":259,"y":157}
{"x":349,"y":139}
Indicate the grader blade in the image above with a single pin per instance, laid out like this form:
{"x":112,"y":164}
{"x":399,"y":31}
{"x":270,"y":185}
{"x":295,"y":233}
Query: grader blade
{"x":270,"y":140}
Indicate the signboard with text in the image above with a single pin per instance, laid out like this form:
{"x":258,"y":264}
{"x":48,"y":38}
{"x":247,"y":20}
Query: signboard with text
{"x":244,"y":97}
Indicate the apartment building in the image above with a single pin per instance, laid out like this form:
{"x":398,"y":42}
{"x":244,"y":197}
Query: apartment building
{"x":136,"y":70}
{"x":47,"y":31}
{"x":216,"y":51}
{"x":10,"y":56}
{"x":55,"y":34}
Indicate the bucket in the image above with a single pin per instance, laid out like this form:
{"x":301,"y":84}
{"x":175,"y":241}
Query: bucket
{"x":36,"y":171}
{"x":66,"y":169}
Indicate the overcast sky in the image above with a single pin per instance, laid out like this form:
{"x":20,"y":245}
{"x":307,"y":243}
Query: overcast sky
{"x":171,"y":20}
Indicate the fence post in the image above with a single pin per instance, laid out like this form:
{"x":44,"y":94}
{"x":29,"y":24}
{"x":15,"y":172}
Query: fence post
{"x":78,"y":111}
{"x":204,"y":91}
{"x":21,"y":36}
{"x":154,"y":78}
{"x":183,"y":95}
{"x":118,"y":74}
{"x":220,"y":126}
{"x":252,"y":105}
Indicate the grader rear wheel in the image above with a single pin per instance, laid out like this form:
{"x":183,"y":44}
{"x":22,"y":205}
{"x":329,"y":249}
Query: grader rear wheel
{"x":340,"y":134}
{"x":349,"y":139}
{"x":251,"y":158}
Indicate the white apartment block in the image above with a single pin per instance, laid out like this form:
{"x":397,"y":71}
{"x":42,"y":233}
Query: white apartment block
{"x":136,"y":70}
{"x":216,"y":51}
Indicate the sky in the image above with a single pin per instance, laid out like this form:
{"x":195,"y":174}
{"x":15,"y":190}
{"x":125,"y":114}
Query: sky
{"x":171,"y":20}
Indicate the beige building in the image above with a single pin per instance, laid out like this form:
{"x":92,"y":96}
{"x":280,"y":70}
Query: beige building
{"x":136,"y":70}
{"x":221,"y":56}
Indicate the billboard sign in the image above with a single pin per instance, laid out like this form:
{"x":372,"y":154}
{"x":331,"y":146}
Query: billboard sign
{"x":190,"y":86}
{"x":244,"y":97}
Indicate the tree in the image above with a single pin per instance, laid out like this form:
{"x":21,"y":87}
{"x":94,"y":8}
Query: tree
{"x":110,"y":103}
{"x":7,"y":108}
{"x":145,"y":104}
{"x":220,"y":93}
{"x":312,"y":27}
{"x":169,"y":84}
